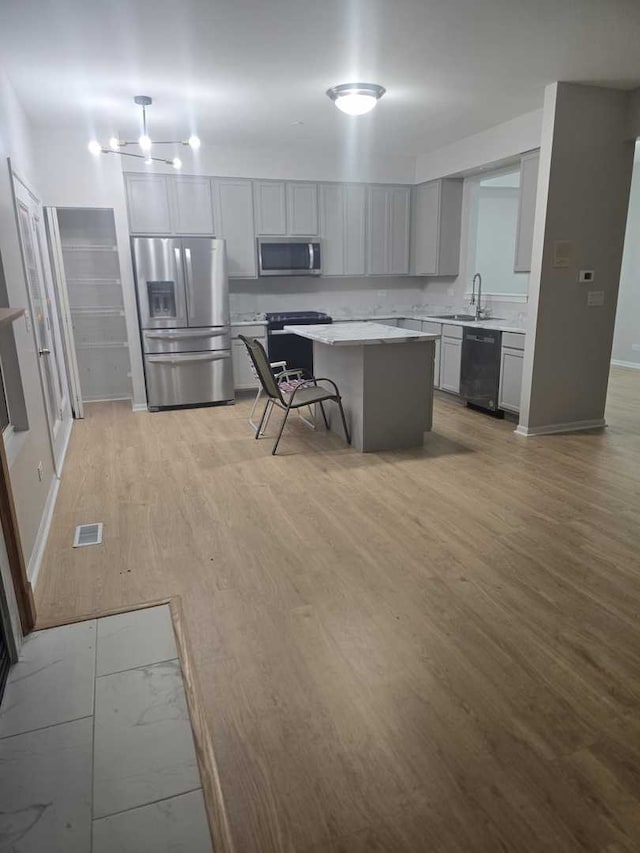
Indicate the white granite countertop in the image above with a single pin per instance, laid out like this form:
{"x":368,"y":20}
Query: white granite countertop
{"x":498,"y":324}
{"x":359,"y":334}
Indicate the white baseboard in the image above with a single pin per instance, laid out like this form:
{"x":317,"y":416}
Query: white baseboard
{"x":139,"y":407}
{"x":35,"y":561}
{"x":553,"y":429}
{"x":632,"y":364}
{"x":65,"y":444}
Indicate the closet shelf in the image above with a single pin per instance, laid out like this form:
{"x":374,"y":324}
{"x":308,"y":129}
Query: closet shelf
{"x":88,"y":247}
{"x":102,"y":345}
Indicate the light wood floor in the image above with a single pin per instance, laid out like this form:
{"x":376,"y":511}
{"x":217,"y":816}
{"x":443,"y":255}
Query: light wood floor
{"x":432,"y":650}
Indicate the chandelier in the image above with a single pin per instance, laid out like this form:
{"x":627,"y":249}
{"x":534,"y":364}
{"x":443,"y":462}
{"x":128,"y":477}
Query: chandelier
{"x":144,"y":141}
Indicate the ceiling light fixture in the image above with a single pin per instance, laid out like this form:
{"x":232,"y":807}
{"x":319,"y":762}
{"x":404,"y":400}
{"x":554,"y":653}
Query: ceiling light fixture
{"x":356,"y":99}
{"x":144,"y":141}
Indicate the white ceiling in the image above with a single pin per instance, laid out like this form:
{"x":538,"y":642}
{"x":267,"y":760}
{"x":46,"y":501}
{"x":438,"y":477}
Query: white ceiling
{"x":240,"y":72}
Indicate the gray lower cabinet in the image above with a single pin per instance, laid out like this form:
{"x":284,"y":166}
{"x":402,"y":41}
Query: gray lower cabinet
{"x":526,"y":211}
{"x":342,"y":215}
{"x":244,"y":378}
{"x":511,"y":362}
{"x":148,"y":204}
{"x":435,"y":329}
{"x":233,"y":205}
{"x":191,"y":208}
{"x":389,"y":210}
{"x":435,"y":227}
{"x":451,"y":358}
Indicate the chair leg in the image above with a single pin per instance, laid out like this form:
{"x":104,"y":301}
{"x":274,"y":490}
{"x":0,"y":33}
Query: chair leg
{"x":344,"y":421}
{"x":259,"y":430}
{"x":284,"y":420}
{"x":324,"y":415}
{"x":253,"y":408}
{"x":268,"y":416}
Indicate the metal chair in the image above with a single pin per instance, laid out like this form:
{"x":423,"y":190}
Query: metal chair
{"x":302,"y":395}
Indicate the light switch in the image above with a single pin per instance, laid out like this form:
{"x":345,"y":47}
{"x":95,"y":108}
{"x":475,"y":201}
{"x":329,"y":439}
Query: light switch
{"x":595,"y":298}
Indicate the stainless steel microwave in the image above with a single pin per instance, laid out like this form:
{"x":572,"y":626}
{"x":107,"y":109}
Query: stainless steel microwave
{"x":289,"y":256}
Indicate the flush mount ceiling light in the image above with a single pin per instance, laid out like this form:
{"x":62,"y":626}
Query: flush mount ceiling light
{"x":356,"y":99}
{"x":144,"y":141}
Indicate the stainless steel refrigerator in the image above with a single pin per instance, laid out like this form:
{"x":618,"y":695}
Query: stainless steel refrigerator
{"x":183,"y":304}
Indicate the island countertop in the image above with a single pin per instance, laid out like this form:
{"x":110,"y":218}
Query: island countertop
{"x":359,"y":334}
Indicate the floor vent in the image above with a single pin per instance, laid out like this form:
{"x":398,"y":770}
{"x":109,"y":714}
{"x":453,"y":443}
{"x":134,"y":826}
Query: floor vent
{"x":88,"y":534}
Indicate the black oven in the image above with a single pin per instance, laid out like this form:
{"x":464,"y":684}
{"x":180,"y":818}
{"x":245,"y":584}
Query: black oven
{"x":283,"y":346}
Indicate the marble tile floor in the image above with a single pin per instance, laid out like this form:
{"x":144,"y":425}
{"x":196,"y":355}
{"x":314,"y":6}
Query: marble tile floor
{"x":96,"y":749}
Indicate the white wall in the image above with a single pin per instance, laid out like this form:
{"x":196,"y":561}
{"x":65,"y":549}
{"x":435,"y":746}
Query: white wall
{"x":502,"y":142}
{"x":586,"y":161}
{"x":30,"y":494}
{"x":68,"y":176}
{"x":304,"y":164}
{"x":627,"y":329}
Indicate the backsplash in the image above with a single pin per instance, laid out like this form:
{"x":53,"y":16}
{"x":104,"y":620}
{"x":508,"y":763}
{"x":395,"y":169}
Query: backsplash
{"x":358,"y":298}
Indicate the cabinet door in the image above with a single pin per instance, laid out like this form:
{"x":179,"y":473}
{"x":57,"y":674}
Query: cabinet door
{"x":191,"y":209}
{"x":332,"y":228}
{"x":450,"y":359}
{"x":148,"y":204}
{"x":510,"y":379}
{"x":399,"y":201}
{"x":302,"y":209}
{"x":243,"y":375}
{"x":436,"y":364}
{"x":355,"y":218}
{"x":378,"y":223}
{"x":234,"y":215}
{"x":269,"y":207}
{"x":526,"y":211}
{"x":425,"y":229}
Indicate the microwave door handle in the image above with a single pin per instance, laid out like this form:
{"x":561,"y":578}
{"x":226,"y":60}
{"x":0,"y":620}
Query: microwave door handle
{"x":311,"y":255}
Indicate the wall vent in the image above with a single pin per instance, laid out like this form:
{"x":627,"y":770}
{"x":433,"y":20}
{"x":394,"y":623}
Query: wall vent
{"x":88,"y":534}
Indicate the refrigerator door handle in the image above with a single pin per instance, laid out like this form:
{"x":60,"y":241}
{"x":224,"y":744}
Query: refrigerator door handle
{"x":188,"y":272}
{"x":311,"y":255}
{"x":181,"y":334}
{"x":188,"y":358}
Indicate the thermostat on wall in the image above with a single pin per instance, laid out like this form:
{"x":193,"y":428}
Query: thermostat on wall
{"x":586,"y":276}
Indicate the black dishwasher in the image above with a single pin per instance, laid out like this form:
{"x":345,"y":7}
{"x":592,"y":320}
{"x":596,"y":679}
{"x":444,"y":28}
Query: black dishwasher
{"x":283,"y":346}
{"x":480,"y":368}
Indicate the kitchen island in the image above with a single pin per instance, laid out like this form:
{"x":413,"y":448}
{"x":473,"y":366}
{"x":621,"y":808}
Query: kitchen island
{"x":385,"y":377}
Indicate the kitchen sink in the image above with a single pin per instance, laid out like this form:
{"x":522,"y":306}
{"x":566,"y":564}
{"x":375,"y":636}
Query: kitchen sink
{"x":454,"y":316}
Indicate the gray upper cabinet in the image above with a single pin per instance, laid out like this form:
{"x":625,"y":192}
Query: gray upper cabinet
{"x":302,"y":209}
{"x":270,"y":207}
{"x":526,"y":211}
{"x":148,"y":204}
{"x":388,"y":230}
{"x":342,"y":218}
{"x":191,"y":208}
{"x":436,"y":224}
{"x":233,"y":204}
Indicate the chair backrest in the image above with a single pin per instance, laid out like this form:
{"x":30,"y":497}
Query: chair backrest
{"x":261,"y":363}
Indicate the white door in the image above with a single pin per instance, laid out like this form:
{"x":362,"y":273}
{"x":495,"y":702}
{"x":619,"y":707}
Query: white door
{"x":44,"y":318}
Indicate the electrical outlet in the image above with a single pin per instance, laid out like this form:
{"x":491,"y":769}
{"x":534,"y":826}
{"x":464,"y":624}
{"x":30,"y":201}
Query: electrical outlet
{"x":40,"y":471}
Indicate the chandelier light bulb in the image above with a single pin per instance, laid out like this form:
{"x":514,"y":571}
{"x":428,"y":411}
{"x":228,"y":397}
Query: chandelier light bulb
{"x":95,"y":147}
{"x":148,"y":161}
{"x":194,"y":142}
{"x":356,"y":99}
{"x":145,"y":142}
{"x":114,"y":143}
{"x":176,"y":163}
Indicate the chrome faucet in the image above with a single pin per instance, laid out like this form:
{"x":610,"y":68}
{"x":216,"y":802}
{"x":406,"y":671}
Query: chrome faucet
{"x":473,"y":295}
